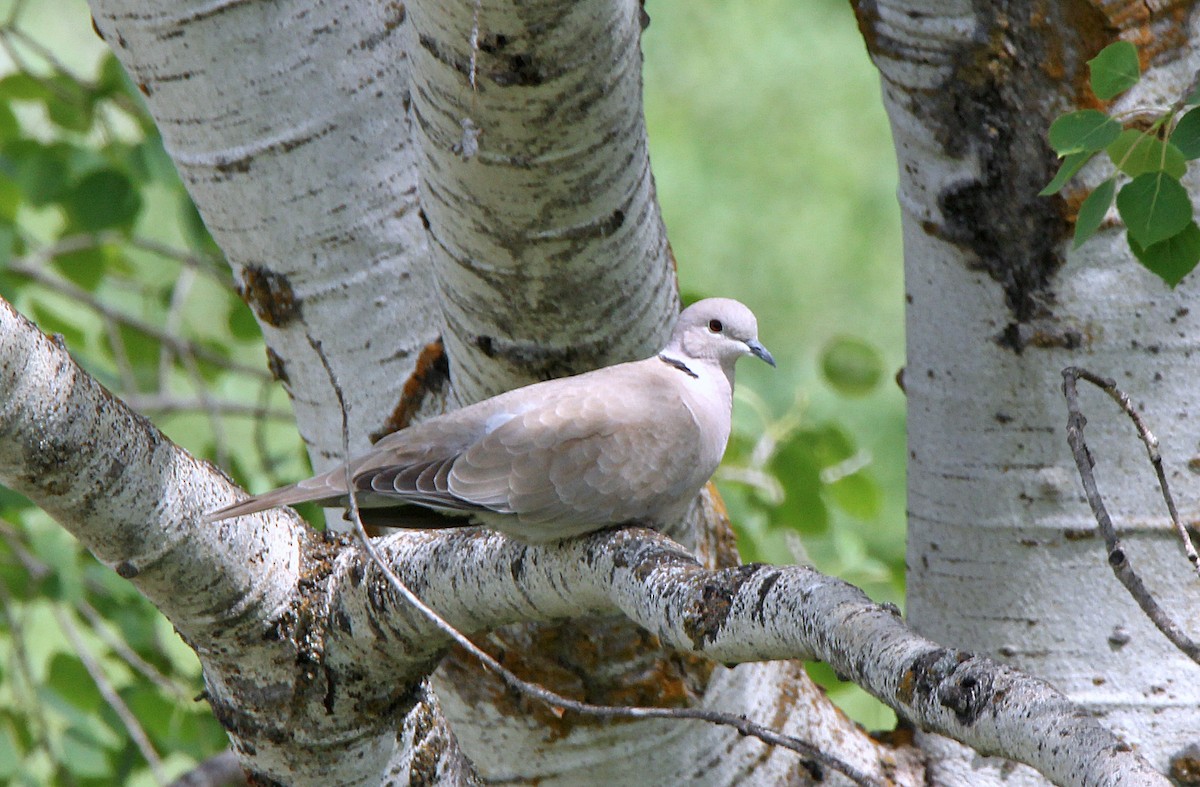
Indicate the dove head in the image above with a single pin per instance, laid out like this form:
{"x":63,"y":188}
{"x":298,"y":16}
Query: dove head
{"x":717,"y":329}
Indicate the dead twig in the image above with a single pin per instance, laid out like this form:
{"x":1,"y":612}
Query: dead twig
{"x":1118,"y":559}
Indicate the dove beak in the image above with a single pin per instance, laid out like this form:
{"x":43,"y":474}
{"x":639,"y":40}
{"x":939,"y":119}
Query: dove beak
{"x":759,"y":351}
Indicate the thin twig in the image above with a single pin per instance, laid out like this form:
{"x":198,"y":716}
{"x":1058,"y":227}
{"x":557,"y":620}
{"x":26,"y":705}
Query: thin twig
{"x":167,"y":403}
{"x":39,"y":569}
{"x":35,"y":568}
{"x":181,"y":347}
{"x":18,"y":7}
{"x":124,"y":367}
{"x":103,"y":630}
{"x":172,"y":323}
{"x":1118,"y":559}
{"x":270,"y":464}
{"x":110,"y":695}
{"x":816,"y":762}
{"x":21,"y":670}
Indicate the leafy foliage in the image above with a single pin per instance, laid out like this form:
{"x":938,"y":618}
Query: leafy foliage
{"x":1154,"y":205}
{"x":100,"y":244}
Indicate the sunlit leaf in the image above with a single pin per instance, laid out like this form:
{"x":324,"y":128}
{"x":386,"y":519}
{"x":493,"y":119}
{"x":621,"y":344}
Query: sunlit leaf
{"x":1154,"y":206}
{"x":242,"y":323}
{"x":111,"y":78}
{"x":1186,"y":135}
{"x":852,"y":366}
{"x":83,"y":756}
{"x":1070,"y":165}
{"x":10,"y":753}
{"x":1135,"y":153}
{"x":1093,"y":210}
{"x":10,"y":127}
{"x":1085,"y":130}
{"x":22,"y":86}
{"x":1173,"y":258}
{"x":858,"y":495}
{"x":51,"y":322}
{"x":1114,"y":70}
{"x":69,"y":105}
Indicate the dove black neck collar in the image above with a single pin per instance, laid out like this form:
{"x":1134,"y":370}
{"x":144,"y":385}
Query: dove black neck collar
{"x":678,"y":364}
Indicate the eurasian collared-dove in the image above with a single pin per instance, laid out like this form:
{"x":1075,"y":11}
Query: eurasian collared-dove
{"x":631,"y":443}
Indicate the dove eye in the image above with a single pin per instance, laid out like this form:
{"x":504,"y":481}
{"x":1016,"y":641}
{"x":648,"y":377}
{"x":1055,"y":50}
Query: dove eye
{"x":715,"y":326}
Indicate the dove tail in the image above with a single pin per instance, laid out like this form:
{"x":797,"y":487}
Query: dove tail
{"x":322,"y":488}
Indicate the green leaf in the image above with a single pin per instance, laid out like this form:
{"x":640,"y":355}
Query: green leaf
{"x":69,"y":105}
{"x":852,"y":366}
{"x":1085,"y":130}
{"x":70,"y":681}
{"x":102,"y":200}
{"x":84,"y":267}
{"x":23,"y":86}
{"x":10,"y":753}
{"x":1135,"y":153}
{"x":83,"y":757}
{"x":858,"y":495}
{"x":10,"y":127}
{"x":242,"y":324}
{"x":1173,"y":258}
{"x":798,"y":465}
{"x":803,"y":508}
{"x":1093,"y":210}
{"x":1071,"y":164}
{"x":194,"y":229}
{"x":1154,"y":206}
{"x":111,"y":78}
{"x":39,"y":171}
{"x":50,"y":322}
{"x":1114,"y":70}
{"x":8,"y":237}
{"x":10,"y":199}
{"x":142,"y":352}
{"x":1186,"y":135}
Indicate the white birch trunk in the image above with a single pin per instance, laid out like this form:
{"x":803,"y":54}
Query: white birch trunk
{"x":1004,"y":557}
{"x":288,"y":121}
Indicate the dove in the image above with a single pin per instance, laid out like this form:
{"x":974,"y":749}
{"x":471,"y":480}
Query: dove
{"x":631,"y":443}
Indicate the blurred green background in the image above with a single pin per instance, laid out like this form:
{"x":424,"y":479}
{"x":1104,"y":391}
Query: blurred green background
{"x":776,"y":175}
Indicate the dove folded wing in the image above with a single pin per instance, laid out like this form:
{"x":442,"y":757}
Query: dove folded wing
{"x":630,"y":443}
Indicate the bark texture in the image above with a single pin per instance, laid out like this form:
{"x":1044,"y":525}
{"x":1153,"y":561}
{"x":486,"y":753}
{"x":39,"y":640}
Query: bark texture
{"x":1003,"y":554}
{"x":288,"y":122}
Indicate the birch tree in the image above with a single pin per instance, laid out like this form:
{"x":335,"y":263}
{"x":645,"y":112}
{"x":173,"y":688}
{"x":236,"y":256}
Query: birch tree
{"x":406,"y":189}
{"x":1004,"y":556}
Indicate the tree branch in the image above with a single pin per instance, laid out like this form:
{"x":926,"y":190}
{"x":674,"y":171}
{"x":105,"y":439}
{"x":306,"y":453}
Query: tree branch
{"x":134,"y":499}
{"x":478,"y":580}
{"x":1118,"y":558}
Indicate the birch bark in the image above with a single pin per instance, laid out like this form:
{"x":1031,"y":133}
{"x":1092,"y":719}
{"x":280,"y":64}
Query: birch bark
{"x":290,"y":124}
{"x":1003,"y":555}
